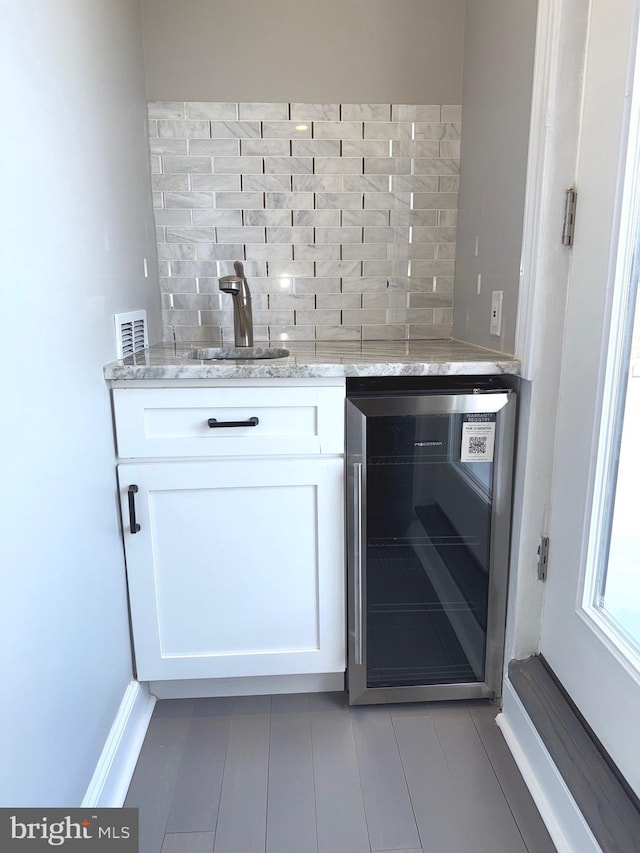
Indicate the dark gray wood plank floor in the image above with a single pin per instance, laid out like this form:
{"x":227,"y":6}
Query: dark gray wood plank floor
{"x":309,"y":774}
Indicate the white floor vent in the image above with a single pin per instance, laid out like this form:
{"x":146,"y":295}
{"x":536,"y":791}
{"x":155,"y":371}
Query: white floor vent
{"x":131,"y":332}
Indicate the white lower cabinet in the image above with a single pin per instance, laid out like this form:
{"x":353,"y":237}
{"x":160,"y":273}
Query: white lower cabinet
{"x":237,"y":568}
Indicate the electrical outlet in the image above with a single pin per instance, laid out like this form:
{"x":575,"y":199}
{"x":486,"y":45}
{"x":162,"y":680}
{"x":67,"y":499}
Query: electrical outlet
{"x":495,"y":325}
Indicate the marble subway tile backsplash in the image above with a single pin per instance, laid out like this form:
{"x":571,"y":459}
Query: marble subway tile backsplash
{"x":344,"y":216}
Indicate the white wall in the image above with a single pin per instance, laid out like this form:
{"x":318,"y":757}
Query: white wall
{"x":496,"y":105}
{"x":76,"y":225}
{"x":325,"y":51}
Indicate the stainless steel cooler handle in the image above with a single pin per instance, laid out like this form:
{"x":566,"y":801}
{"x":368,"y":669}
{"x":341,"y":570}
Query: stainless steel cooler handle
{"x":357,"y":516}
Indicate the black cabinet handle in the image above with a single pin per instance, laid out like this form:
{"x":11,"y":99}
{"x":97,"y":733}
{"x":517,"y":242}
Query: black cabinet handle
{"x":131,"y":492}
{"x":214,"y":424}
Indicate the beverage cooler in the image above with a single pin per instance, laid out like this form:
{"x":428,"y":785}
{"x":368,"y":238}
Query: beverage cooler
{"x":429,"y":464}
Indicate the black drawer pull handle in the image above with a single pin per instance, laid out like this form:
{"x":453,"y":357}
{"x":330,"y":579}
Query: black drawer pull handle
{"x":214,"y":424}
{"x":133,"y":525}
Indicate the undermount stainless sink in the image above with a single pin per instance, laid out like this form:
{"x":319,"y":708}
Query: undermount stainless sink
{"x":232,"y":353}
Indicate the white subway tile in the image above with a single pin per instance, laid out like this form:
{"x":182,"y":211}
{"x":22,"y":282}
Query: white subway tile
{"x":242,"y":201}
{"x":166,"y":109}
{"x":289,"y":235}
{"x":426,"y":333}
{"x":282,"y":334}
{"x":415,"y":112}
{"x":252,"y":269}
{"x":339,"y":201}
{"x":446,"y":251}
{"x":285,"y":130}
{"x":365,"y":217}
{"x":315,"y":112}
{"x":290,"y":268}
{"x":430,"y":300}
{"x":384,"y":332}
{"x":315,"y":147}
{"x":318,"y":318}
{"x":387,"y":166}
{"x":364,"y":252}
{"x":337,"y":130}
{"x":317,"y":183}
{"x":317,"y":285}
{"x":176,"y":252}
{"x":290,"y":201}
{"x":434,"y":130}
{"x":168,"y":146}
{"x":390,"y":299}
{"x":288,"y":165}
{"x":412,"y":251}
{"x":338,"y":165}
{"x":263,"y":112}
{"x":189,"y":165}
{"x":434,"y":234}
{"x":450,"y":148}
{"x":266,"y":183}
{"x":437,"y":201}
{"x":338,"y":301}
{"x":338,"y":235}
{"x":366,"y":112}
{"x":237,"y":165}
{"x":155,"y":164}
{"x":314,"y":252}
{"x":365,"y":183}
{"x":160,"y":234}
{"x":291,"y":300}
{"x":388,"y":130}
{"x":216,"y":183}
{"x":330,"y":269}
{"x":212,"y":110}
{"x":364,"y":285}
{"x":365,"y":148}
{"x":265,"y":147}
{"x":268,"y":252}
{"x":387,"y":201}
{"x":435,"y":166}
{"x":413,"y":217}
{"x":177,"y":285}
{"x":386,"y":234}
{"x":188,"y":200}
{"x":190,"y":235}
{"x":338,"y":333}
{"x":184,"y":129}
{"x":173,"y":183}
{"x":214,"y":147}
{"x":429,"y":268}
{"x":235,"y":129}
{"x":267,"y":217}
{"x":378,"y":268}
{"x":217,"y":217}
{"x":414,"y":184}
{"x":218,"y":252}
{"x":193,"y":268}
{"x":415,"y":148}
{"x":244,"y":234}
{"x":324,"y":218}
{"x":448,"y":217}
{"x":362,"y":316}
{"x":449,"y":183}
{"x":272,"y":317}
{"x":172,"y":217}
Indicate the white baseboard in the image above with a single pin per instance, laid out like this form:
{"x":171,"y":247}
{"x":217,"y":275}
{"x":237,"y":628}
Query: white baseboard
{"x":564,"y":820}
{"x":111,"y":778}
{"x":259,"y":685}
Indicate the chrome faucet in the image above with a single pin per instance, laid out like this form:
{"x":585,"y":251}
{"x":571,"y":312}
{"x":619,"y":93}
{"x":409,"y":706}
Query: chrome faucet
{"x":237,"y":286}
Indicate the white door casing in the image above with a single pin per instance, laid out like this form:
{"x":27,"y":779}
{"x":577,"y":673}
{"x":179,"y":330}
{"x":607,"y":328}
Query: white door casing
{"x":600,"y":681}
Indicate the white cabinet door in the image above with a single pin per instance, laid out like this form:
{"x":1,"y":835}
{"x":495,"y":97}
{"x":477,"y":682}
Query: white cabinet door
{"x":237,"y":568}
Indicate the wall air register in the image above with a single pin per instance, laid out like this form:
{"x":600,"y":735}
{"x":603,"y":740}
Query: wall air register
{"x":429,"y":497}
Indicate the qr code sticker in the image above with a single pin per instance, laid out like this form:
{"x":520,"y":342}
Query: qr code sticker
{"x":477,"y":445}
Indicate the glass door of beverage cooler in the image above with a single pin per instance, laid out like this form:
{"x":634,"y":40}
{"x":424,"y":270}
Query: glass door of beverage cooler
{"x":428,"y":518}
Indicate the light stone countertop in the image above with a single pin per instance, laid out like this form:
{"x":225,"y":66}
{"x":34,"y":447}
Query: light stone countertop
{"x":319,"y":359}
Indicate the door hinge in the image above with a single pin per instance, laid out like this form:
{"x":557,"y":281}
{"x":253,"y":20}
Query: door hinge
{"x":543,"y":558}
{"x":568,"y":226}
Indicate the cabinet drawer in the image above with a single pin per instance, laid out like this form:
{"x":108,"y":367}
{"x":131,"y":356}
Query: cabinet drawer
{"x":159,"y":422}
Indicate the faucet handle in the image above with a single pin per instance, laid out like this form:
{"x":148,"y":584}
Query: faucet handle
{"x":239,"y":268}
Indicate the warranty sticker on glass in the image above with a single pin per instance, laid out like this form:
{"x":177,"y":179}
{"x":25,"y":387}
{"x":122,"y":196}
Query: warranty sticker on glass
{"x":478,"y":437}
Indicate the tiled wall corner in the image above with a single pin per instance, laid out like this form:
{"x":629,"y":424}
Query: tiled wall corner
{"x":343,"y":214}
